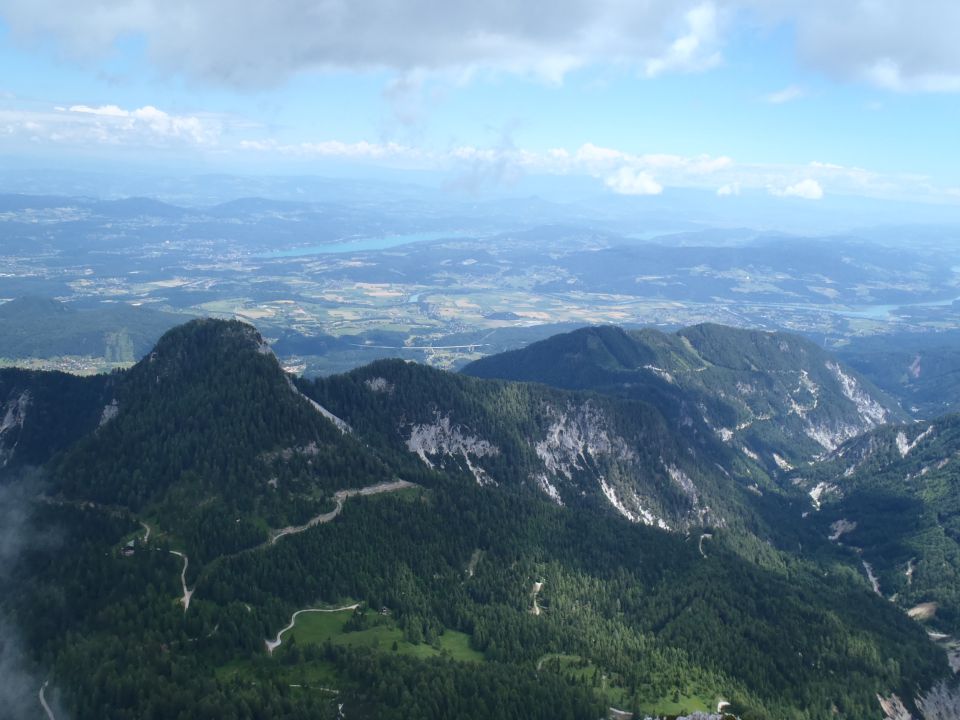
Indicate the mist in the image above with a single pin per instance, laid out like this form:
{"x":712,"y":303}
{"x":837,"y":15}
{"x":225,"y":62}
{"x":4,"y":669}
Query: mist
{"x":20,"y":678}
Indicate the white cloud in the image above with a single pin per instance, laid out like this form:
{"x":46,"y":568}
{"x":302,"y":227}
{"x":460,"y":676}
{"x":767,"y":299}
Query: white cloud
{"x":82,"y":125}
{"x":791,"y":92}
{"x":598,"y":160}
{"x":627,"y":181}
{"x":270,"y":40}
{"x":590,"y":154}
{"x":696,"y":50}
{"x":889,"y":75}
{"x":103,"y":110}
{"x":394,"y":154}
{"x":808,"y":189}
{"x":620,"y":171}
{"x":899,"y":45}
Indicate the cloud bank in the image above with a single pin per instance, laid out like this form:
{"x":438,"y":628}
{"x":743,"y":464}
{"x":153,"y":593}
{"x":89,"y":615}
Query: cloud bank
{"x":112,"y":125}
{"x":898,"y":45}
{"x":263,"y":42}
{"x":470,"y":168}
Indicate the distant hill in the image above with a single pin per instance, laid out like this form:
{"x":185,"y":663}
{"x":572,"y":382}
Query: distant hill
{"x":34,"y":327}
{"x":922,"y":370}
{"x":778,"y":398}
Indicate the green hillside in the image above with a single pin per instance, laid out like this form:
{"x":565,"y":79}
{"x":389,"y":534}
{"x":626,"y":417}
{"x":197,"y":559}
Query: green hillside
{"x":169,"y":547}
{"x":778,"y":399}
{"x":922,"y":370}
{"x":894,"y":494}
{"x":43,"y":328}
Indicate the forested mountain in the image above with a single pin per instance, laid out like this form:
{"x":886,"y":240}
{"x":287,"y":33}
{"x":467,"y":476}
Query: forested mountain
{"x":43,"y":412}
{"x":572,"y":448}
{"x":463,"y":548}
{"x":893,"y":497}
{"x":922,"y":370}
{"x":212,"y":436}
{"x":779,"y":399}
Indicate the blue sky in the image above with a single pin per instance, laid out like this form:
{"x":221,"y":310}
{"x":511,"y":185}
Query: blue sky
{"x":798,"y":100}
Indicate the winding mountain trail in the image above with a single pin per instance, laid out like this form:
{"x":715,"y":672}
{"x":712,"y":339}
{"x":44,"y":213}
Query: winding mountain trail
{"x":187,"y":593}
{"x":146,"y":535}
{"x":339,"y":497}
{"x":704,"y":536}
{"x":43,"y":702}
{"x":274,"y":644}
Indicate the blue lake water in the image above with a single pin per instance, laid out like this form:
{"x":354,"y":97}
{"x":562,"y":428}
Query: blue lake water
{"x":361,"y":244}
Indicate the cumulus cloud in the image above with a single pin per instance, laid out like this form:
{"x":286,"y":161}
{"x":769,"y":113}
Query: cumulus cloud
{"x":808,"y":189}
{"x":597,"y":160}
{"x":474,"y":168}
{"x":147,"y":126}
{"x":628,"y":181}
{"x":156,"y":122}
{"x":791,"y":92}
{"x":899,"y":45}
{"x":470,"y":167}
{"x":890,"y":75}
{"x":272,"y":39}
{"x":361,"y":150}
{"x":696,"y":49}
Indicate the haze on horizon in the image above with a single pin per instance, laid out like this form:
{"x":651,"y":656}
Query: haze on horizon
{"x":781,"y":104}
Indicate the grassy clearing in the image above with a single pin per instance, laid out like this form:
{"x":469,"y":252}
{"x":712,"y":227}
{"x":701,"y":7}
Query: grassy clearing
{"x":580,"y":669}
{"x":379,"y":633}
{"x":682,"y":705}
{"x":316,"y":628}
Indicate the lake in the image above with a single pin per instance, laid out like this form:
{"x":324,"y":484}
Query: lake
{"x":362,"y":244}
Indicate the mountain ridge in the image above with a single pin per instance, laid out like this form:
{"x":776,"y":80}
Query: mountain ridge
{"x":779,"y":398}
{"x":212,"y":448}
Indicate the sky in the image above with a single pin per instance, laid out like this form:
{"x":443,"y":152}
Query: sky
{"x":796,"y":100}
